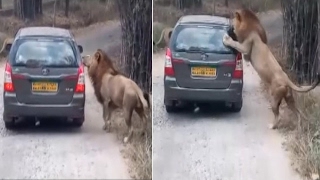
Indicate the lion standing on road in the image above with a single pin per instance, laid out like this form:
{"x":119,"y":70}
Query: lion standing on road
{"x":114,"y":90}
{"x":247,"y":28}
{"x":166,"y":35}
{"x":5,"y":42}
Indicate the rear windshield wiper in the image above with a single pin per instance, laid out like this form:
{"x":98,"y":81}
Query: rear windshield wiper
{"x":30,"y":63}
{"x":192,"y":49}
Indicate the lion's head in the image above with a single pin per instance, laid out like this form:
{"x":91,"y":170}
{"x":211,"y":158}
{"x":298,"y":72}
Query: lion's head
{"x":245,"y":22}
{"x":98,"y":65}
{"x":6,"y":46}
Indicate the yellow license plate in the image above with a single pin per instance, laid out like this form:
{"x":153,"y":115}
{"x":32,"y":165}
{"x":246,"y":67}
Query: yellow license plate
{"x":203,"y":71}
{"x":45,"y":87}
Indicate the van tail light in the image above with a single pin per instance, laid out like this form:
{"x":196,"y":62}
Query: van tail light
{"x":238,"y":71}
{"x":168,"y":68}
{"x":8,"y":85}
{"x":80,"y":88}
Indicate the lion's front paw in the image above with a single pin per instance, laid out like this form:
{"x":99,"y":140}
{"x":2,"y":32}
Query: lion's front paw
{"x":125,"y":140}
{"x":226,"y":40}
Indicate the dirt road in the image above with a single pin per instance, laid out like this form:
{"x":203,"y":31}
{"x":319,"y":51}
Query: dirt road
{"x":59,"y":152}
{"x":216,"y":145}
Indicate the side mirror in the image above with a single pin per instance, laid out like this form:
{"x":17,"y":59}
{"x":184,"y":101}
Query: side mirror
{"x":170,"y":33}
{"x":80,"y":48}
{"x":8,"y":47}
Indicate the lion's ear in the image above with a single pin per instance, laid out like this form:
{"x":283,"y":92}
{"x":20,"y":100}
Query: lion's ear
{"x":237,"y":16}
{"x":97,"y":56}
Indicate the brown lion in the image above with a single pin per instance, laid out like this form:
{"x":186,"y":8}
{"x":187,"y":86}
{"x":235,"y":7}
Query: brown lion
{"x":5,"y":43}
{"x":166,"y":35}
{"x":114,"y":90}
{"x":256,"y":24}
{"x":251,"y":42}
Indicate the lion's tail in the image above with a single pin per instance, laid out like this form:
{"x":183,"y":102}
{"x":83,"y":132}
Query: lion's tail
{"x":145,"y":99}
{"x":4,"y":45}
{"x":160,"y":39}
{"x":161,"y":36}
{"x":303,"y":89}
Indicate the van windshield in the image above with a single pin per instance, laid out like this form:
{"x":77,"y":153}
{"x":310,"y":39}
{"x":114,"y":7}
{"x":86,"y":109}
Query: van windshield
{"x":203,"y":38}
{"x":44,"y":52}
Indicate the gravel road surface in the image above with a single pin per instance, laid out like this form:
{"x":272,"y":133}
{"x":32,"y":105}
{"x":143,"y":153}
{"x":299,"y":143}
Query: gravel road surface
{"x":219,"y":145}
{"x":53,"y":150}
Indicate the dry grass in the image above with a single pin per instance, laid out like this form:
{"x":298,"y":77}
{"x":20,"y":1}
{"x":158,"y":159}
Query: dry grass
{"x":303,"y":137}
{"x":166,"y":15}
{"x":139,"y":151}
{"x":82,"y":13}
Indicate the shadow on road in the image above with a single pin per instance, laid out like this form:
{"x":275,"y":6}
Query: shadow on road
{"x":48,"y":125}
{"x":216,"y":110}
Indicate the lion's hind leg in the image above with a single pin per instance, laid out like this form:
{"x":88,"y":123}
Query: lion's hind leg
{"x":105,"y":112}
{"x":129,"y":104}
{"x":278,"y":93}
{"x":127,"y":117}
{"x":107,"y":109}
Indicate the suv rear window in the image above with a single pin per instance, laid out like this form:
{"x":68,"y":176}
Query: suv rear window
{"x":203,"y":38}
{"x":43,"y":52}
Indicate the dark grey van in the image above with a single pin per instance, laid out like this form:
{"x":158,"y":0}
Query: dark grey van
{"x":198,"y":67}
{"x":44,"y":76}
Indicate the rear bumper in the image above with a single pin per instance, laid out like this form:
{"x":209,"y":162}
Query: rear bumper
{"x":12,"y":108}
{"x":173,"y":92}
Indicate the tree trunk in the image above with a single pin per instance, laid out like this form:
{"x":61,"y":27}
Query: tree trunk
{"x":66,"y":11}
{"x":38,"y":6}
{"x":0,"y":4}
{"x":318,"y":71}
{"x":27,"y":9}
{"x":182,"y":4}
{"x":300,"y":34}
{"x":226,"y":3}
{"x":54,"y":13}
{"x":15,"y":8}
{"x":136,"y":51}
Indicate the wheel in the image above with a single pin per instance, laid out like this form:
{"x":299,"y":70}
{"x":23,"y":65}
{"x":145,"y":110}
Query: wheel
{"x":8,"y":122}
{"x":77,"y":122}
{"x":171,"y":108}
{"x":236,"y":106}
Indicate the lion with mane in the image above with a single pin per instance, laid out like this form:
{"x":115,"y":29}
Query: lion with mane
{"x":114,"y":90}
{"x":251,"y":42}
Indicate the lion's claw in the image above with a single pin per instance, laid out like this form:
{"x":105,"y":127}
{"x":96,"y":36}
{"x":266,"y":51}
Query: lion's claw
{"x":125,"y":140}
{"x":272,"y":126}
{"x":226,"y":39}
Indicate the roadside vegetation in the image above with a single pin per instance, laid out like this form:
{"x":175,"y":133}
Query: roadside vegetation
{"x":302,"y":66}
{"x":167,"y":12}
{"x":298,"y":54}
{"x":78,"y":15}
{"x":69,"y":14}
{"x":136,"y":62}
{"x":303,"y":138}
